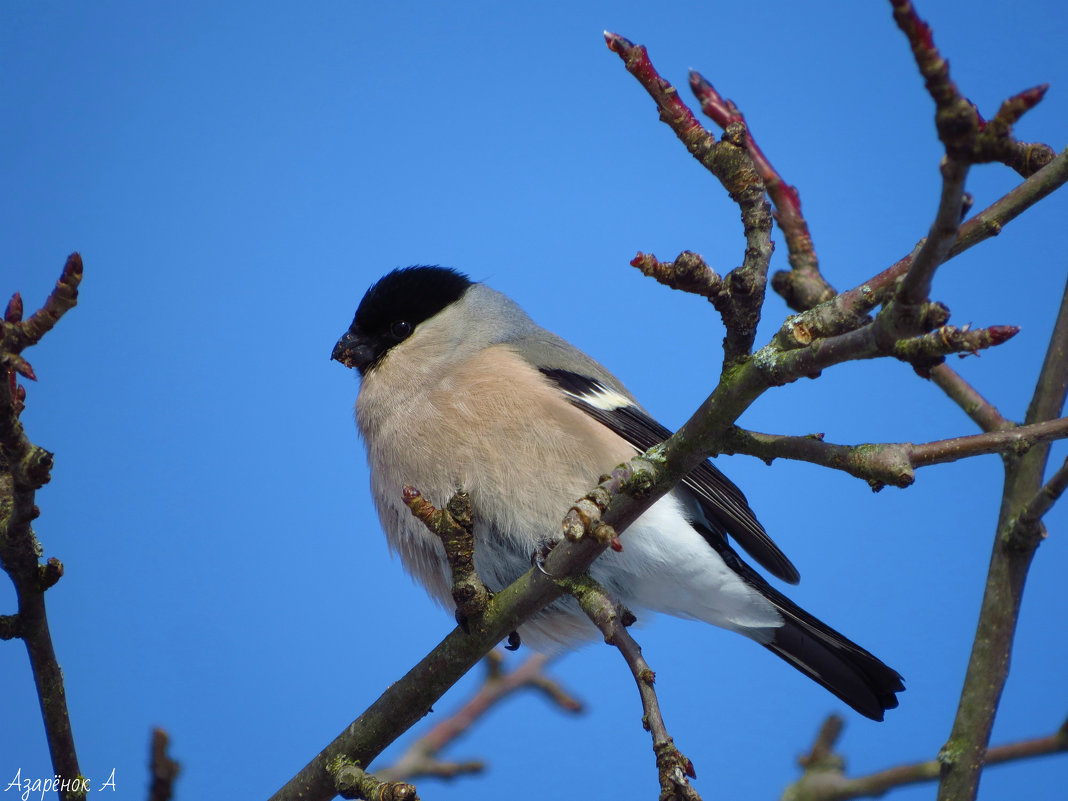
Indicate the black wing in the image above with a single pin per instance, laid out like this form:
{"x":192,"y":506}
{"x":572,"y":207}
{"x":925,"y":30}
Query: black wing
{"x":722,"y":503}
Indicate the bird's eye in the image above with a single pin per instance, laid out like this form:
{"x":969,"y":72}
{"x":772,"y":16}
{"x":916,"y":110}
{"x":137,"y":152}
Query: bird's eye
{"x":400,"y":329}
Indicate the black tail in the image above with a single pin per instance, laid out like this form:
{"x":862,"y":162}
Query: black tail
{"x":825,"y":656}
{"x":817,"y":650}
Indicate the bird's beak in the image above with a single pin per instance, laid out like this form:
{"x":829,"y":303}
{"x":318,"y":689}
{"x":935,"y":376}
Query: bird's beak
{"x":353,"y":350}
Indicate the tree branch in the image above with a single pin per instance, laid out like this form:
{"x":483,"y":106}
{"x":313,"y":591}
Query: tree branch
{"x":915,"y":288}
{"x":688,"y":273}
{"x":993,"y":219}
{"x":891,"y":463}
{"x":25,"y":468}
{"x":163,"y":771}
{"x":967,"y":136}
{"x":824,"y":780}
{"x":1042,"y":502}
{"x":730,"y":162}
{"x":802,"y":286}
{"x":672,"y":767}
{"x":352,"y":781}
{"x":886,"y":336}
{"x":963,"y":755}
{"x":850,"y":309}
{"x":20,"y":334}
{"x":421,"y":757}
{"x":1015,"y":441}
{"x":454,"y":526}
{"x":982,"y":411}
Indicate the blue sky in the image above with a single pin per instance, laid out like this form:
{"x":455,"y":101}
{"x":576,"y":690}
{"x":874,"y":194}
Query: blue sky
{"x":236,"y":175}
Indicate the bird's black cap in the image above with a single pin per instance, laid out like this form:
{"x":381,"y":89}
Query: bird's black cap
{"x":392,"y":308}
{"x":413,"y":294}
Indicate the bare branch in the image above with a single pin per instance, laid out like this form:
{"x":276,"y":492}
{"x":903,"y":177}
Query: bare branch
{"x":161,"y":768}
{"x":875,"y":340}
{"x":822,"y":755}
{"x":991,"y":220}
{"x":957,"y":119}
{"x":673,"y":768}
{"x":688,"y":273}
{"x":1052,"y":385}
{"x":849,"y":310}
{"x":802,"y":286}
{"x":964,"y":754}
{"x":351,"y":781}
{"x":890,"y":463}
{"x":1042,"y":502}
{"x":967,"y":136}
{"x":25,"y":468}
{"x":454,"y":527}
{"x":824,"y":780}
{"x":421,"y":757}
{"x":879,"y":465}
{"x":916,"y":286}
{"x":1016,"y":441}
{"x":1026,"y":158}
{"x":968,"y":139}
{"x":985,"y":415}
{"x":730,"y":162}
{"x":20,"y":334}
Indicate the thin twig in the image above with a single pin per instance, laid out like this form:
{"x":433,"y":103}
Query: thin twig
{"x":915,"y":288}
{"x":25,"y":468}
{"x":802,"y":286}
{"x":673,"y":768}
{"x":982,"y":411}
{"x":1017,"y":441}
{"x":991,"y":220}
{"x":421,"y":757}
{"x":849,"y":310}
{"x":162,"y":769}
{"x":730,"y":162}
{"x":824,"y":780}
{"x":822,"y":754}
{"x":968,"y":139}
{"x":688,"y":273}
{"x":956,"y":119}
{"x":873,"y":341}
{"x":20,"y":334}
{"x":891,"y":463}
{"x":454,"y":526}
{"x":352,"y":781}
{"x":1043,"y":501}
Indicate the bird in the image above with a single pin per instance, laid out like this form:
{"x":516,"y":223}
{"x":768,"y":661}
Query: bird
{"x":461,"y":391}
